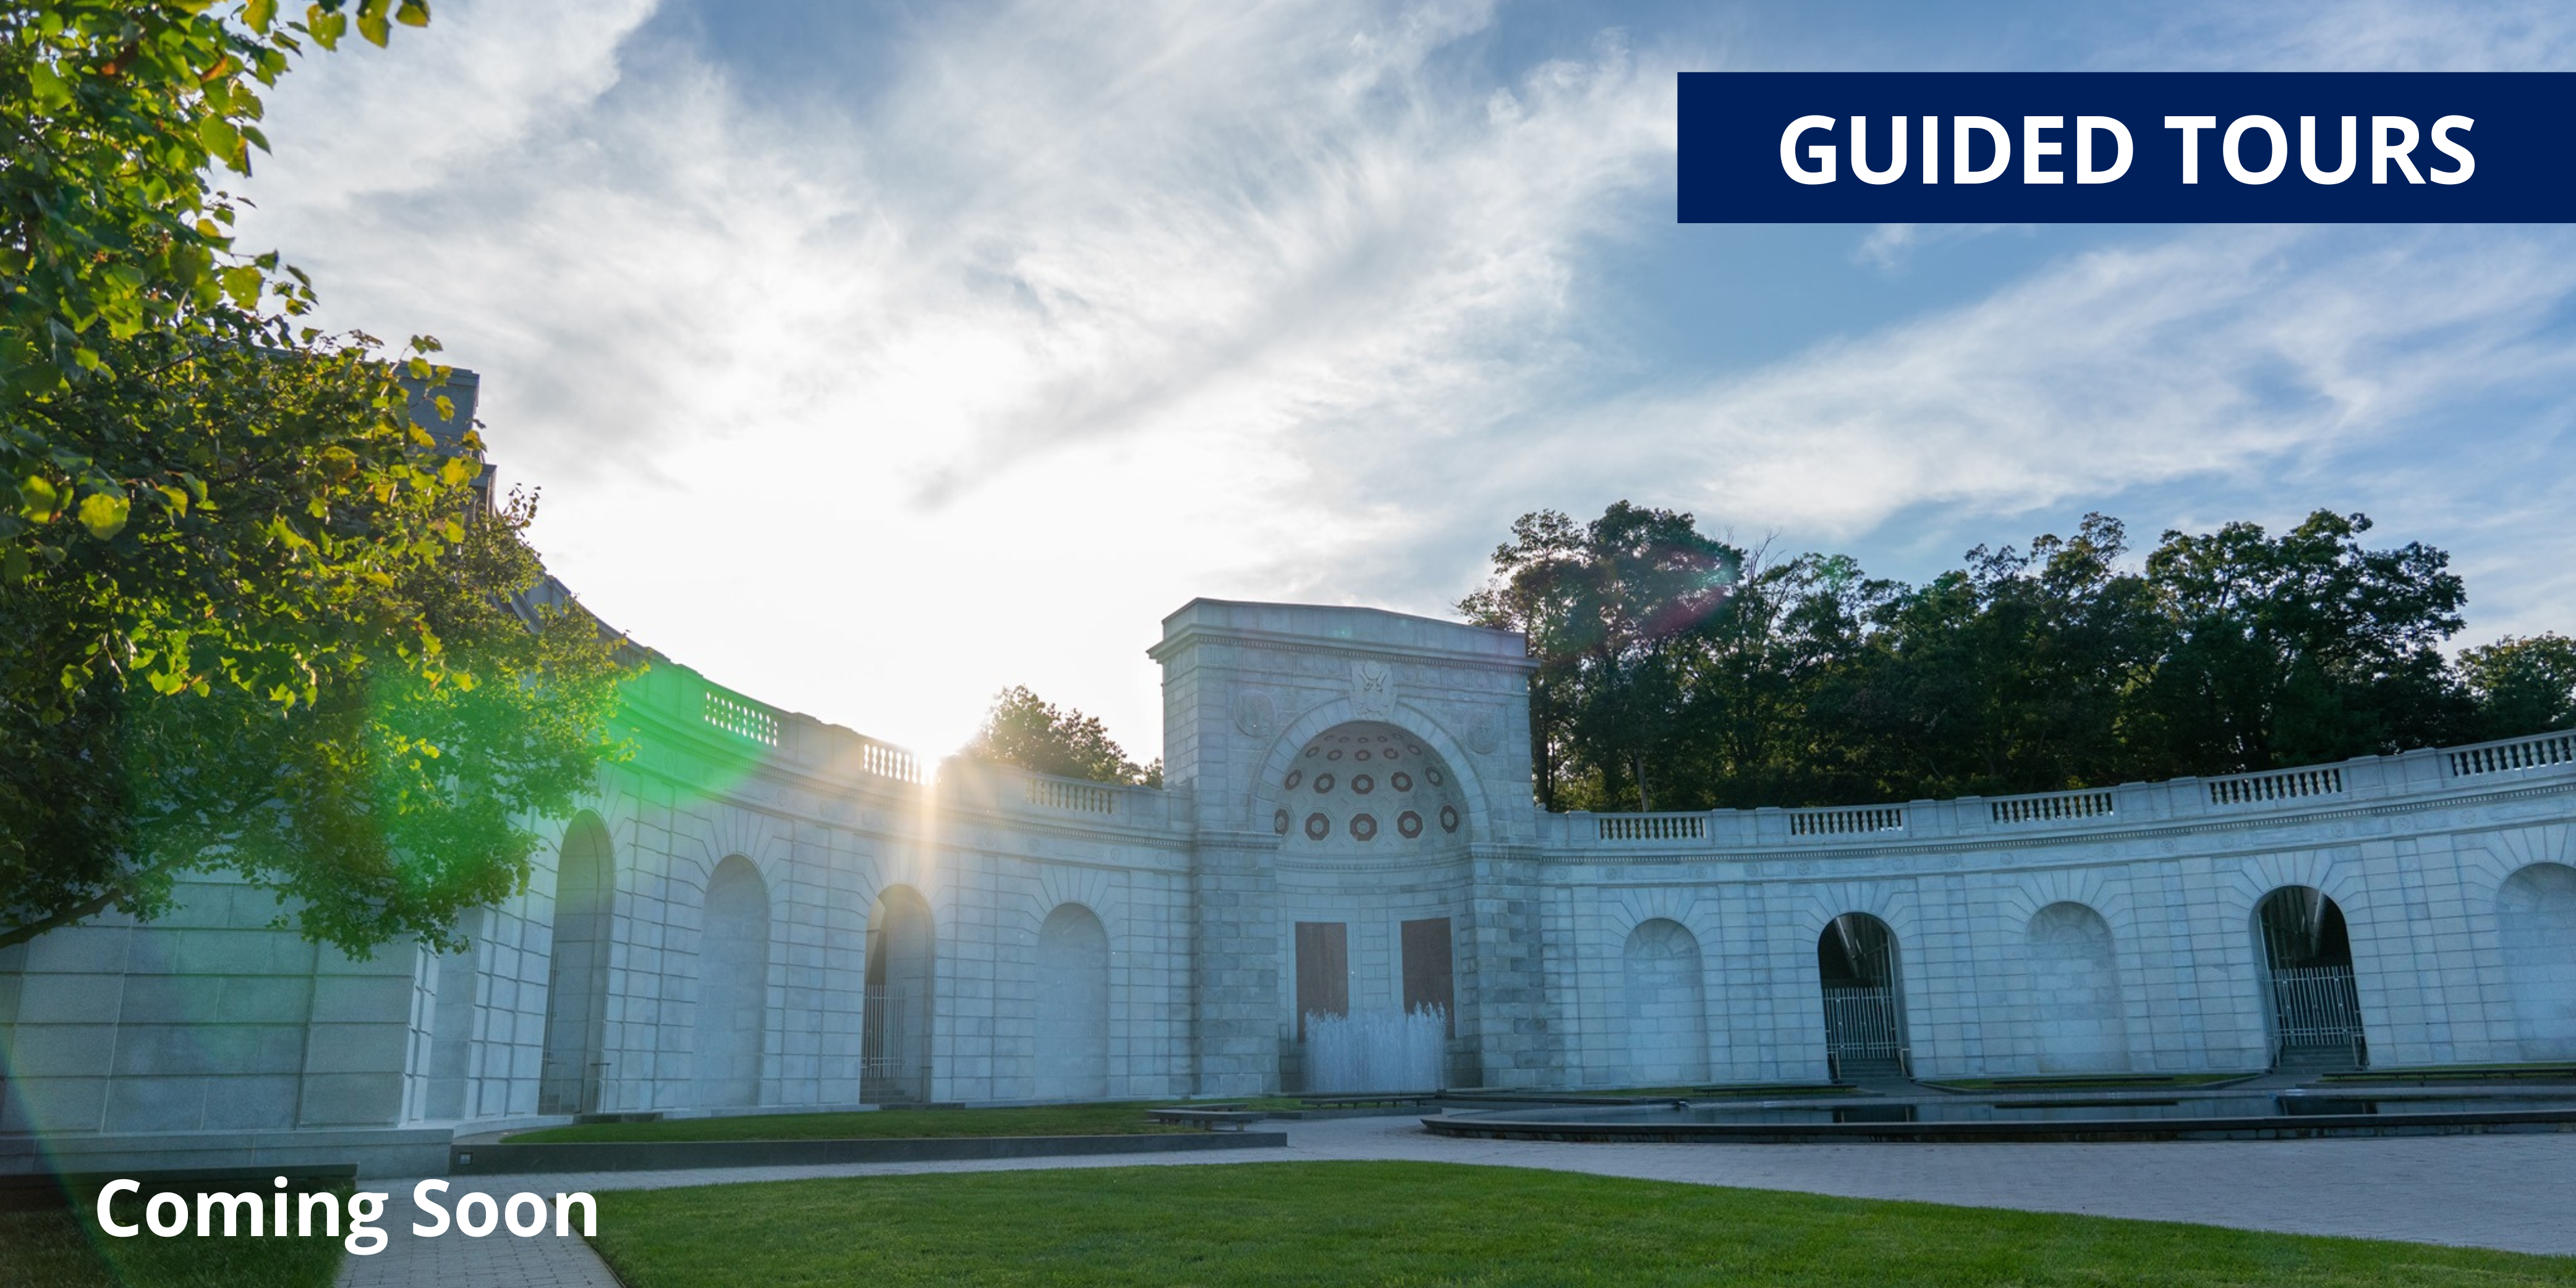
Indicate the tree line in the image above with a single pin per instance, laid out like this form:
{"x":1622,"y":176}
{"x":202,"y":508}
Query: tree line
{"x":1679,"y":672}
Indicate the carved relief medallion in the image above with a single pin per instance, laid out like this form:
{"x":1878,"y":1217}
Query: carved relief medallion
{"x":1255,"y":714}
{"x":1484,"y":732}
{"x":1373,"y":689}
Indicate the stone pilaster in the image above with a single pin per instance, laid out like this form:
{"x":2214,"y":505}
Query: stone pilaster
{"x":1504,"y":967}
{"x":1235,"y":953}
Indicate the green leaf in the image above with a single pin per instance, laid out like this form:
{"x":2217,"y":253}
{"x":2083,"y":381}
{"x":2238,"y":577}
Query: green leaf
{"x":103,"y":513}
{"x":413,"y":13}
{"x":259,"y":14}
{"x":51,"y":91}
{"x":38,"y":499}
{"x":459,"y":470}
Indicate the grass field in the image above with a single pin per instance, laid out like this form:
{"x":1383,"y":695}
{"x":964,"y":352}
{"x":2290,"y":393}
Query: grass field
{"x":65,"y":1250}
{"x":1046,"y":1120}
{"x":1443,"y":1224}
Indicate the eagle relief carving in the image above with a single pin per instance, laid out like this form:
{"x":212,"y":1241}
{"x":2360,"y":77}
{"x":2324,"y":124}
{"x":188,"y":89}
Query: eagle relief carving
{"x":1373,"y":689}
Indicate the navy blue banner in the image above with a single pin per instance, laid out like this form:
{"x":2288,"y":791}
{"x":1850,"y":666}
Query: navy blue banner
{"x":2134,"y":147}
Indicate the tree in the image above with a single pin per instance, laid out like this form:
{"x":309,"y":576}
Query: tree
{"x":127,"y":292}
{"x":2522,"y":685}
{"x":1025,"y":730}
{"x":2296,"y":649}
{"x":253,"y":617}
{"x":1612,"y":612}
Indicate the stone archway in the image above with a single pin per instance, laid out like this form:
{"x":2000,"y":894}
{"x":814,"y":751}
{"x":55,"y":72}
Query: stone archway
{"x":2076,"y":1011}
{"x":1856,"y":965}
{"x":733,"y":986}
{"x":1664,"y":1008}
{"x":894,"y":1039}
{"x":574,"y":1063}
{"x":2312,"y":1002}
{"x":1072,"y":1006}
{"x":2536,"y":911}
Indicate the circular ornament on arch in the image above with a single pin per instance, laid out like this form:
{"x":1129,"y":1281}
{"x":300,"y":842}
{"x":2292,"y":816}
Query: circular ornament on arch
{"x":1363,"y":784}
{"x":1435,"y":776}
{"x":1361,"y":754}
{"x":1318,"y":827}
{"x":1403,"y":781}
{"x":1295,"y":776}
{"x":1334,"y":754}
{"x":1323,"y":783}
{"x":1279,"y":822}
{"x":1408,"y":824}
{"x":1448,"y":818}
{"x":1363,"y":827}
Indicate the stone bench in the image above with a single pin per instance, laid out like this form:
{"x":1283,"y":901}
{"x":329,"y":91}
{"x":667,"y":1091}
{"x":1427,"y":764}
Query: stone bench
{"x":1400,"y":1099}
{"x":1210,"y":1119}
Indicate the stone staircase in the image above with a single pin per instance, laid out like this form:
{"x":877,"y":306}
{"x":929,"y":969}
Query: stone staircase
{"x":2316,"y":1061}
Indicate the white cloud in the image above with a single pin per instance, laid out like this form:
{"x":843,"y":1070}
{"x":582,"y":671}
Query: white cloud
{"x":1096,"y":308}
{"x":2219,"y":352}
{"x":870,"y":409}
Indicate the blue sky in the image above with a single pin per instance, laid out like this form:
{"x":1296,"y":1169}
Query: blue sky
{"x":874,"y":356}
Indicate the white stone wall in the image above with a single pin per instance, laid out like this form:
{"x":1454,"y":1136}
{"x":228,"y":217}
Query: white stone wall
{"x":206,"y":1034}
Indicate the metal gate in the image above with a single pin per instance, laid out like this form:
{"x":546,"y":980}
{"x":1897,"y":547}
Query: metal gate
{"x":1862,"y":1024}
{"x":894,"y":1048}
{"x":2316,"y":1006}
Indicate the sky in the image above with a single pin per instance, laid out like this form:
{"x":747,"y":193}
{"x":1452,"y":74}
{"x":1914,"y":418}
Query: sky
{"x":872,"y":357}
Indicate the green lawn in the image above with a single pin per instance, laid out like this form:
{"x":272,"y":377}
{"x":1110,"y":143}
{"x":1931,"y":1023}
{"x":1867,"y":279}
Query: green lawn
{"x":66,"y":1250}
{"x":1442,"y":1224}
{"x":1044,"y":1120}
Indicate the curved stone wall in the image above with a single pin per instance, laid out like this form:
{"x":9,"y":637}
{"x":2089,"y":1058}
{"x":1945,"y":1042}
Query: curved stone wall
{"x":698,"y":938}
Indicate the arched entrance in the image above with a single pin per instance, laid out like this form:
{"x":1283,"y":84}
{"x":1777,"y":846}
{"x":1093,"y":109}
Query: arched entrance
{"x":894,"y":1042}
{"x":2537,"y":911}
{"x":1073,"y":1006}
{"x":1864,"y":1005}
{"x":733,"y":986}
{"x":577,"y":974}
{"x":2075,"y":992}
{"x":2315,"y":1007}
{"x":1665,"y":1011}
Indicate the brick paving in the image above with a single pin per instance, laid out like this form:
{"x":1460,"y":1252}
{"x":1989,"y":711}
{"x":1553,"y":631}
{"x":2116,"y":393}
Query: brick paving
{"x":2497,"y":1191}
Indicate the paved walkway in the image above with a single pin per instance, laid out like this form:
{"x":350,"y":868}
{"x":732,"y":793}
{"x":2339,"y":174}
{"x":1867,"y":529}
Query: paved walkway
{"x":2500,"y":1191}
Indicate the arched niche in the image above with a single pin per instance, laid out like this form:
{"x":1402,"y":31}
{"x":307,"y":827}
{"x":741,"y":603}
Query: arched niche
{"x":573,"y":1067}
{"x":1073,"y":1006}
{"x":2077,"y":1016}
{"x":1370,"y":790}
{"x":2536,"y":914}
{"x":1663,"y":1007}
{"x":733,"y":986}
{"x":894,"y":1039}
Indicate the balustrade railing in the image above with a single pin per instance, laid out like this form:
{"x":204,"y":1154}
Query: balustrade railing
{"x":2293,"y":784}
{"x":739,"y":718}
{"x":1056,"y":793}
{"x":888,"y":761}
{"x":1846,"y":822}
{"x":2506,"y":757}
{"x":1653,"y":827}
{"x":2052,"y":808}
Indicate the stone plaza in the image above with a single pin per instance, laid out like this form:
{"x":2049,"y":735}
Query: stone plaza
{"x":761,"y":911}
